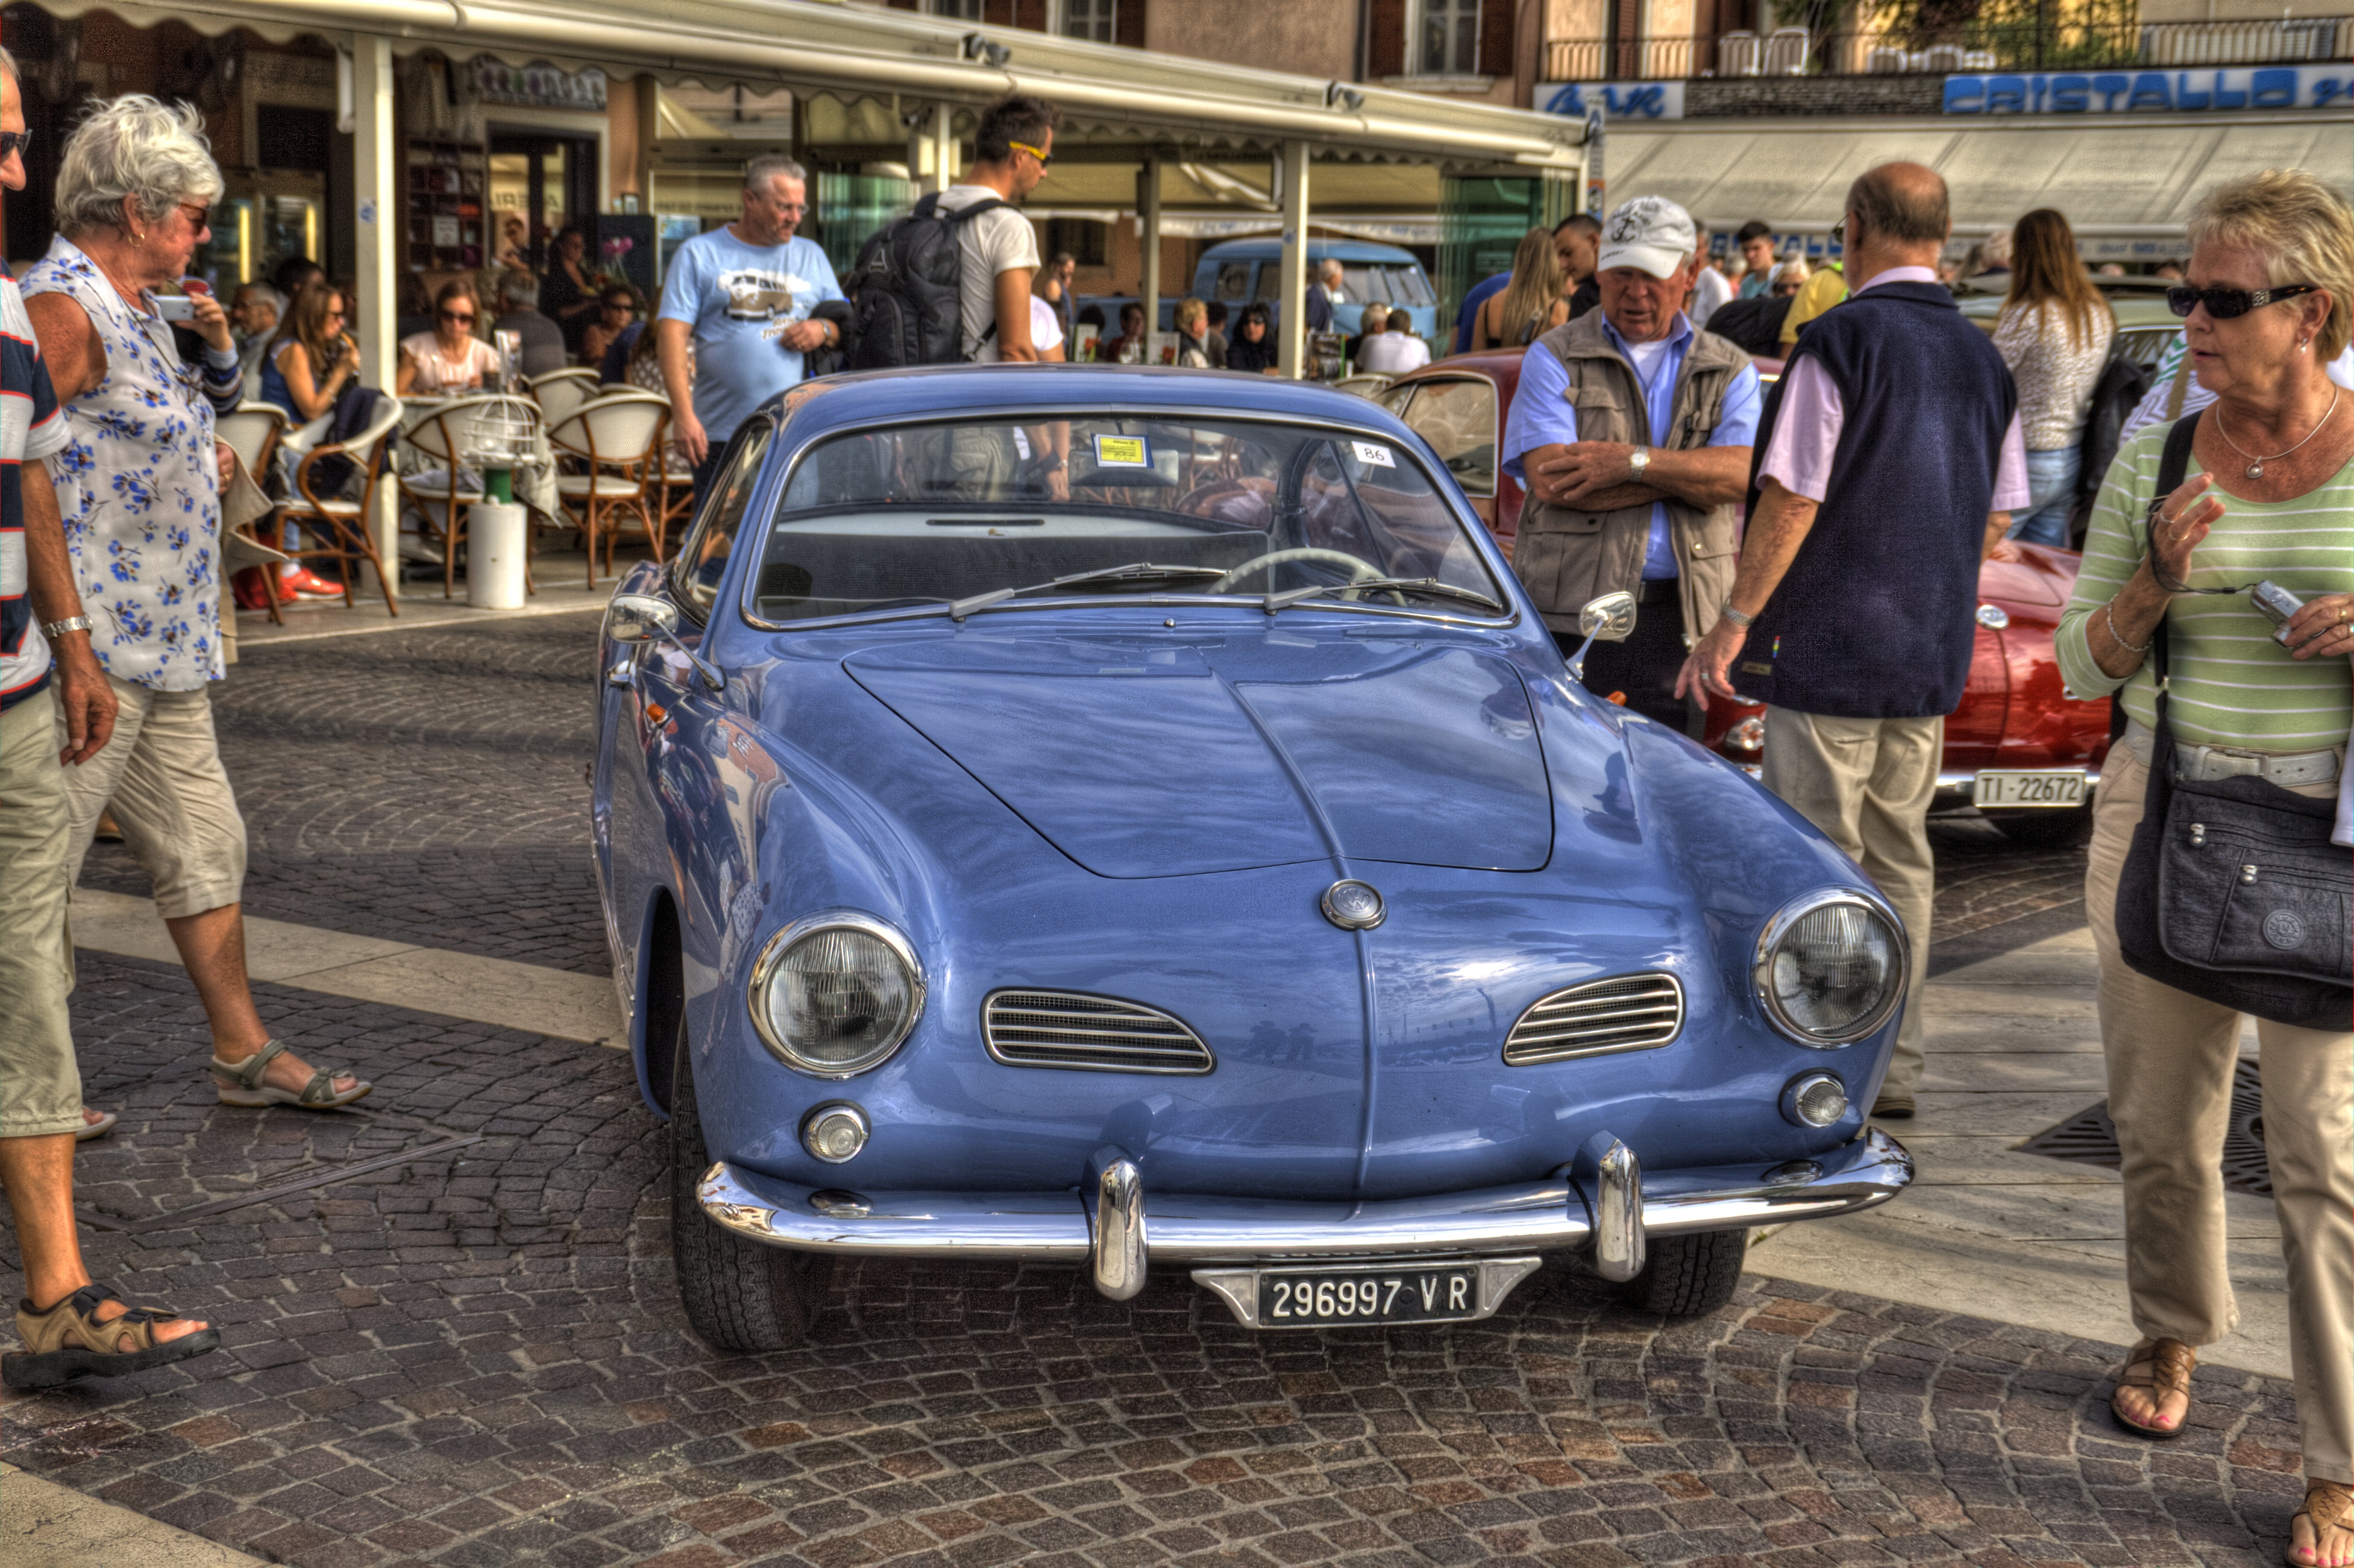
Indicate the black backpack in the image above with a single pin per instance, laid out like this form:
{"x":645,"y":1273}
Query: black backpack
{"x":904,"y":290}
{"x":1753,"y":325}
{"x":2115,"y":395}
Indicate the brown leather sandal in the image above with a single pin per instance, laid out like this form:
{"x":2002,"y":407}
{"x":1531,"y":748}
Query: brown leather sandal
{"x":62,"y":1343}
{"x":2164,"y":1367}
{"x":2330,"y":1507}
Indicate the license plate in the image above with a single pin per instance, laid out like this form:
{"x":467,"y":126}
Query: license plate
{"x":1306,"y":1299}
{"x":2064,"y":787}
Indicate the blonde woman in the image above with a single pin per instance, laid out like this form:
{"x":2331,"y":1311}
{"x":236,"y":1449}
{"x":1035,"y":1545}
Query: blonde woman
{"x":2269,"y":496}
{"x":2054,"y":333}
{"x":1530,"y":305}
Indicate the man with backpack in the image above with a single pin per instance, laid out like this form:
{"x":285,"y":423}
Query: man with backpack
{"x":742,"y":295}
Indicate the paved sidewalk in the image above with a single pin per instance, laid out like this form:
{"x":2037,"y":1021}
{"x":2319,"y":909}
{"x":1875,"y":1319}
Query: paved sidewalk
{"x":2013,"y":1048}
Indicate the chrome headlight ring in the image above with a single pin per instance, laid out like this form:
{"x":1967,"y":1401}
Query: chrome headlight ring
{"x":1778,"y":930}
{"x":766,"y":972}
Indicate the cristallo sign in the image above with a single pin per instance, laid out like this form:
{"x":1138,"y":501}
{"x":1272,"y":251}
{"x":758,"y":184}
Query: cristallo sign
{"x":2302,"y":89}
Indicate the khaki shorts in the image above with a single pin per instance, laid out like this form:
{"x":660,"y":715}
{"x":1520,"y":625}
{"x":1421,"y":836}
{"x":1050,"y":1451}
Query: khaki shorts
{"x":40,"y":1086}
{"x":162,"y":772}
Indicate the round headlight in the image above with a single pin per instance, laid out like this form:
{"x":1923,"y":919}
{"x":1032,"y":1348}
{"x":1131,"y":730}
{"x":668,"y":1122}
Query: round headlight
{"x":1829,"y":968}
{"x":835,"y":994}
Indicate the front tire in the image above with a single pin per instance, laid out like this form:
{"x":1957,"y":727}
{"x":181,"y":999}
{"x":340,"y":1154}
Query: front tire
{"x":738,"y":1294}
{"x":1688,"y":1275}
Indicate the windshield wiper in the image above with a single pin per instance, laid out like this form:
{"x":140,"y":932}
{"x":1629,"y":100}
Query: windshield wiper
{"x":1276,"y":601}
{"x":1134,"y":572}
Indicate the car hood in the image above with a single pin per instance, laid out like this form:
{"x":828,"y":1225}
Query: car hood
{"x":1141,"y":757}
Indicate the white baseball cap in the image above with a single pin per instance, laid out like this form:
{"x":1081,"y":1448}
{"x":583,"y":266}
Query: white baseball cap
{"x":1649,"y":232}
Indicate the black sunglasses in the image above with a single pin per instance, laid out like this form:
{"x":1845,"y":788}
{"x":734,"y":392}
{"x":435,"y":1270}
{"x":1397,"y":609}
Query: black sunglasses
{"x":2226,"y":303}
{"x":13,"y":143}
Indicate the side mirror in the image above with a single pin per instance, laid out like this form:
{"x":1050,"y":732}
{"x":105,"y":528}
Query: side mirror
{"x":1611,"y":619}
{"x":643,"y":618}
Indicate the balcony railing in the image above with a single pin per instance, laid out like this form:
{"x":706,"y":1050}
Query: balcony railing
{"x":1793,"y":51}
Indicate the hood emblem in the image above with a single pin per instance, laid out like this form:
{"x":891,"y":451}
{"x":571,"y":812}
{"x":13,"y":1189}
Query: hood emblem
{"x":1353,"y":905}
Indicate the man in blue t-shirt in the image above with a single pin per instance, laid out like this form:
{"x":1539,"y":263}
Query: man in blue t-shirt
{"x":744,"y":294}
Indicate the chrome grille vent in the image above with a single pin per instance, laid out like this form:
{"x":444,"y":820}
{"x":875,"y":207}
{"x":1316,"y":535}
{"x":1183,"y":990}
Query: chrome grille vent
{"x":1631,"y":1012}
{"x":1092,"y":1033}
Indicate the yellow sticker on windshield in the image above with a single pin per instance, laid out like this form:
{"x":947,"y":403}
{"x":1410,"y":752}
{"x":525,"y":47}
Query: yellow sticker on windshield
{"x":1122,"y":451}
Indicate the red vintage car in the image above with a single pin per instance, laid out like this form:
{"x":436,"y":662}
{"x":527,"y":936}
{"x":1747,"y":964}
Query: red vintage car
{"x":2020,"y":747}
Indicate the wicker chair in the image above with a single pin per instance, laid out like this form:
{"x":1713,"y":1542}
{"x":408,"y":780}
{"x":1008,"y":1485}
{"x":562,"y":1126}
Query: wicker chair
{"x":615,"y":444}
{"x":253,"y":432}
{"x":346,"y":523}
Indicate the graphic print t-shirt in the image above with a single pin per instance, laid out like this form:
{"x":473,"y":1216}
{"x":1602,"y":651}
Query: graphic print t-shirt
{"x":30,"y":427}
{"x":739,"y":299}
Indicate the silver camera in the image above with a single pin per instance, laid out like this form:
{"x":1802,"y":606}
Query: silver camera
{"x":2276,"y":604}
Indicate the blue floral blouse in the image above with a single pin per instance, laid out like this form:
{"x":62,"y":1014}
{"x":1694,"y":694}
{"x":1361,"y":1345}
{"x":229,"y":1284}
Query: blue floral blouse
{"x":139,"y":487}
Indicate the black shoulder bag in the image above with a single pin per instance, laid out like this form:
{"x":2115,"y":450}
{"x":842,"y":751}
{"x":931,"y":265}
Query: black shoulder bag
{"x":2233,"y":891}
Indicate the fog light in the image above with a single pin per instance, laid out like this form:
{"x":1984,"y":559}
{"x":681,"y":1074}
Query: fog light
{"x":835,"y":1133}
{"x":1814,"y":1099}
{"x":1749,"y":734}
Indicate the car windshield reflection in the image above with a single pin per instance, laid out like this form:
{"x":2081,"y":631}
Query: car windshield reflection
{"x":959,"y":516}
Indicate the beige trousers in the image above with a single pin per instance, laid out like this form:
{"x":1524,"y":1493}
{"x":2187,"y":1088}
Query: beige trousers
{"x":162,"y":771}
{"x":1866,"y":783}
{"x":40,"y":1083}
{"x":2170,"y":1057}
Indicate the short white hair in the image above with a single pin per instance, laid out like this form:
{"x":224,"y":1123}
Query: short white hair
{"x":767,"y":166}
{"x":263,"y":294}
{"x":138,"y":148}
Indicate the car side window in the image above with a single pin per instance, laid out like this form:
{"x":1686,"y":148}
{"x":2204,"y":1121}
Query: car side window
{"x":1459,"y":419}
{"x":1234,"y":280}
{"x":703,"y":558}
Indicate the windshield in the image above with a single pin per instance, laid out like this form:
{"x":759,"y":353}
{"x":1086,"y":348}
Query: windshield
{"x":944,"y":513}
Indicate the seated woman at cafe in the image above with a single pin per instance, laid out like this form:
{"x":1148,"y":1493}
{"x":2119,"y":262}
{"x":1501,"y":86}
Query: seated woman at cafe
{"x":449,"y":359}
{"x":617,"y":312}
{"x":315,"y":358}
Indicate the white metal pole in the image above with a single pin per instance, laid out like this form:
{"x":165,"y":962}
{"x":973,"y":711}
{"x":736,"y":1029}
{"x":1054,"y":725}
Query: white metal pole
{"x":377,"y":268}
{"x":1148,"y":208}
{"x":1294,"y":296}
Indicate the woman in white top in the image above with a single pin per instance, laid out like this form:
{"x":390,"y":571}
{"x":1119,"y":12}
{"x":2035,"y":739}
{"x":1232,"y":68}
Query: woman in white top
{"x":449,"y":359}
{"x":2054,"y":333}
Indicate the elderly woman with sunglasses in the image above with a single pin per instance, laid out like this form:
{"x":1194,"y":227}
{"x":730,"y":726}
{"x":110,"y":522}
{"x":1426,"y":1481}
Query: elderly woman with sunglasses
{"x":2269,"y":496}
{"x":139,"y":483}
{"x":450,"y":359}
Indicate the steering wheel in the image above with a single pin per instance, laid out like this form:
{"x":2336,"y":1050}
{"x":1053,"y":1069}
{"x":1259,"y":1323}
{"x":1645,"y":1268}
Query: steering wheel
{"x":1358,"y":569}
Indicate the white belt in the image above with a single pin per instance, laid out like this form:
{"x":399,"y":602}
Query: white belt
{"x":2204,"y":764}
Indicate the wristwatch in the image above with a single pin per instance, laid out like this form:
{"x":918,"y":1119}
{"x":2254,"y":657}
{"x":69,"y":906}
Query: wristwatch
{"x":1639,"y":459}
{"x":53,"y":629}
{"x":1734,"y":616}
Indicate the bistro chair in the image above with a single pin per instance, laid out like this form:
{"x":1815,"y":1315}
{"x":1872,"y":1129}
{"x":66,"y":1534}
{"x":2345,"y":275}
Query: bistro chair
{"x":253,"y":432}
{"x":450,"y":440}
{"x":614,"y":441}
{"x":560,"y":392}
{"x":346,"y":523}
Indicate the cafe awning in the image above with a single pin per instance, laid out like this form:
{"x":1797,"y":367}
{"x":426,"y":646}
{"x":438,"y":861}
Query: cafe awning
{"x":2117,"y":178}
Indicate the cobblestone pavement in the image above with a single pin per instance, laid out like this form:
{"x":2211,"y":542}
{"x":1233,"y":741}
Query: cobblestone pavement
{"x":476,"y":1358}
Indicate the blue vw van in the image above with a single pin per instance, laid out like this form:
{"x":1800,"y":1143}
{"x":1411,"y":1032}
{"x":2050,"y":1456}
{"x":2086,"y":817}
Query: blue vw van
{"x":1241,"y":271}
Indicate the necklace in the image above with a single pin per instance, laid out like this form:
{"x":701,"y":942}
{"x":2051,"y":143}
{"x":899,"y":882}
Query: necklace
{"x":2256,"y":463}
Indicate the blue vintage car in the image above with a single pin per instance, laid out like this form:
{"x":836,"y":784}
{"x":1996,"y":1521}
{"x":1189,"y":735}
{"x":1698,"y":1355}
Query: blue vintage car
{"x":1135,"y":818}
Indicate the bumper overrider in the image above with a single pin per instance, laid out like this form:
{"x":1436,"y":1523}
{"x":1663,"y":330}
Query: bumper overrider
{"x":1601,"y":1205}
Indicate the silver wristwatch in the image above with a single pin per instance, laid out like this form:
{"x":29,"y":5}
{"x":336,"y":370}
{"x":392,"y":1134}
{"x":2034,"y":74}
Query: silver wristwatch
{"x":1734,"y":616}
{"x":53,"y":629}
{"x":1639,"y":459}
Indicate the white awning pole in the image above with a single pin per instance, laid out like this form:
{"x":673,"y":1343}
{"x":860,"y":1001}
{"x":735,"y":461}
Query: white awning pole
{"x":376,"y":305}
{"x":1148,"y":208}
{"x":1293,"y":299}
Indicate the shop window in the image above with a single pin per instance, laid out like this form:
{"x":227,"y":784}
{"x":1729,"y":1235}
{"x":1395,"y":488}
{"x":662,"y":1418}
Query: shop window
{"x":1082,"y":237}
{"x":958,"y":10}
{"x":1089,"y":19}
{"x":1448,"y":38}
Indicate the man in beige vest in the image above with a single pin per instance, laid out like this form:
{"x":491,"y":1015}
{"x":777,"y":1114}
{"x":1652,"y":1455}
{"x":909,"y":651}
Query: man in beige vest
{"x":1631,"y":433}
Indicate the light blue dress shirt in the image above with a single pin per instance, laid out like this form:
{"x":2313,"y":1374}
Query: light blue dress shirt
{"x":1542,"y":417}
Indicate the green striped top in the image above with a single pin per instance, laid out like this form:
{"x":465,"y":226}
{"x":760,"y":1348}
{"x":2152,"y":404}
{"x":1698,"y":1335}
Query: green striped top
{"x":2232,"y":684}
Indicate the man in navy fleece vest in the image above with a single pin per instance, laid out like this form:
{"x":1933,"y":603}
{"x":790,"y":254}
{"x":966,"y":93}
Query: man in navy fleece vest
{"x":1889,"y":460}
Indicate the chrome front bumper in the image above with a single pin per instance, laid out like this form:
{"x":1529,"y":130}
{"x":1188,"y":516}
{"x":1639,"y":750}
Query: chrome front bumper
{"x":1117,"y":1229}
